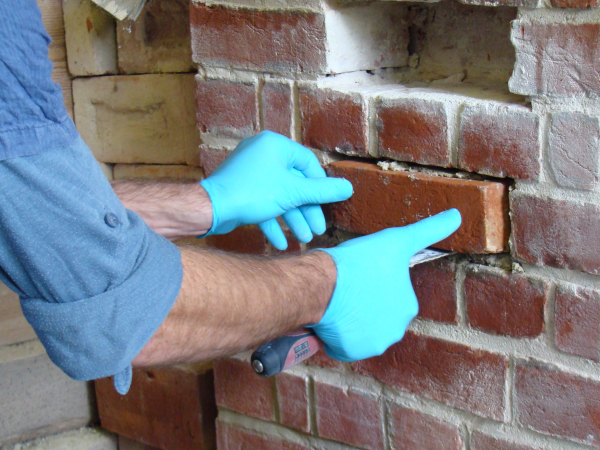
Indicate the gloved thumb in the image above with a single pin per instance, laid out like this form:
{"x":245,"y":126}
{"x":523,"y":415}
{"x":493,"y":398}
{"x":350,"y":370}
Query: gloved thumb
{"x":316,"y":191}
{"x":428,"y":231}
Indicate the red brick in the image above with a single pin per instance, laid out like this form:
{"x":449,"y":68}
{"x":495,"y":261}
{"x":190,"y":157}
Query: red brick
{"x":435,"y":286}
{"x":210,"y":158}
{"x":414,"y":130}
{"x":456,"y":375}
{"x":321,"y":359}
{"x":557,"y":403}
{"x":556,"y":58}
{"x":277,"y":107}
{"x":292,"y":394}
{"x":230,"y":437}
{"x":227,"y":108}
{"x":414,"y":430}
{"x":173,"y":409}
{"x":501,"y":141}
{"x":384,"y":199}
{"x":276,"y":40}
{"x":573,"y":150}
{"x":556,"y":233}
{"x":246,"y":239}
{"x":346,"y":416}
{"x":333,"y":121}
{"x":582,"y":4}
{"x":502,"y":303}
{"x":577,"y":321}
{"x":237,"y":387}
{"x":480,"y":441}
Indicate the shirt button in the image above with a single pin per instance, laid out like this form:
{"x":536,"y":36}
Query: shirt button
{"x":111,"y":220}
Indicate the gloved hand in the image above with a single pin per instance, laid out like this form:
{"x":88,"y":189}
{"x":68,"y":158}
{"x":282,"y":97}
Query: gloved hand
{"x":373,"y":301}
{"x":267,"y":176}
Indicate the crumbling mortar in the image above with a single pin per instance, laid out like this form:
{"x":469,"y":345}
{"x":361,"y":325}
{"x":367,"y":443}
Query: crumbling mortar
{"x":509,"y":393}
{"x":549,"y":317}
{"x":296,"y":117}
{"x":259,"y":103}
{"x":461,"y":307}
{"x":454,"y":133}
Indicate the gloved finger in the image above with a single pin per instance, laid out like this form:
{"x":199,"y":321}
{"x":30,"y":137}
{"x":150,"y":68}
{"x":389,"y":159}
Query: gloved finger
{"x":274,"y":234}
{"x":314,"y":217}
{"x":305,"y":161}
{"x":298,"y":225}
{"x":317,"y":191}
{"x":428,"y":231}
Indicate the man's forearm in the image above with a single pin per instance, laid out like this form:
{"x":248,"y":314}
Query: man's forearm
{"x":173,"y":210}
{"x":229,"y":303}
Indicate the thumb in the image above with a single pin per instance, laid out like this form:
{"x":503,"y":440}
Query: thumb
{"x":316,"y":191}
{"x":428,"y":231}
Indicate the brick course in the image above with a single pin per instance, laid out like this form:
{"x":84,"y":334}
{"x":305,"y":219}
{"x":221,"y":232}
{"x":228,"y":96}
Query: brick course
{"x":412,"y":430}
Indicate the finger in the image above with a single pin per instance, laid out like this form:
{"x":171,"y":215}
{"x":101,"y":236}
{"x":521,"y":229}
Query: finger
{"x":298,"y":225}
{"x":314,"y":217}
{"x":428,"y":231}
{"x":316,"y":191}
{"x":306,"y":162}
{"x":274,"y":234}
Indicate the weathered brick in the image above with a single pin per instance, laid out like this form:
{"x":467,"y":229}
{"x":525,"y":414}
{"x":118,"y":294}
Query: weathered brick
{"x":435,"y":286}
{"x":168,"y":408}
{"x":582,"y":4}
{"x":230,"y":437}
{"x":577,"y":321}
{"x":502,"y":303}
{"x":573,"y":149}
{"x":480,"y":441}
{"x":150,"y":171}
{"x":292,"y":395}
{"x":277,"y":108}
{"x":557,"y":403}
{"x":555,"y":58}
{"x":227,"y":108}
{"x":14,"y":328}
{"x":499,"y":140}
{"x":238,"y":388}
{"x":556,"y":233}
{"x":414,"y":130}
{"x":246,"y":239}
{"x":346,"y":416}
{"x":90,"y":38}
{"x":299,"y":40}
{"x":158,"y":41}
{"x":210,"y":158}
{"x":454,"y":374}
{"x":130,"y":119}
{"x":38,"y":399}
{"x":334,"y":121}
{"x":412,"y":429}
{"x":385,"y":199}
{"x":321,"y":359}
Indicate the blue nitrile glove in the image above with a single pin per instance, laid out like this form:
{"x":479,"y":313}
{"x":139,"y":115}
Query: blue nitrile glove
{"x":373,"y":301}
{"x":267,"y":176}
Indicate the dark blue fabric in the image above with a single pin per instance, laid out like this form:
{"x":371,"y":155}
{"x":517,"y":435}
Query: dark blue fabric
{"x":33,"y":118}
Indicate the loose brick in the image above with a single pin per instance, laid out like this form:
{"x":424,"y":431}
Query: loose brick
{"x":247,"y":239}
{"x":277,"y":108}
{"x":130,"y":119}
{"x":230,"y":437}
{"x":573,"y":149}
{"x":557,"y":233}
{"x":238,"y":388}
{"x":414,"y":130}
{"x":14,"y":328}
{"x":38,"y":399}
{"x":158,"y":41}
{"x":227,"y":108}
{"x":557,"y":403}
{"x":210,"y":158}
{"x":90,"y":38}
{"x":385,"y":199}
{"x":292,"y":395}
{"x":577,"y":321}
{"x":507,"y":304}
{"x":150,"y":171}
{"x":454,"y":374}
{"x":346,"y":416}
{"x":412,"y":429}
{"x":480,"y":441}
{"x":168,"y":408}
{"x":499,"y":140}
{"x":556,"y":59}
{"x":435,"y":286}
{"x":334,"y":121}
{"x":581,"y":4}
